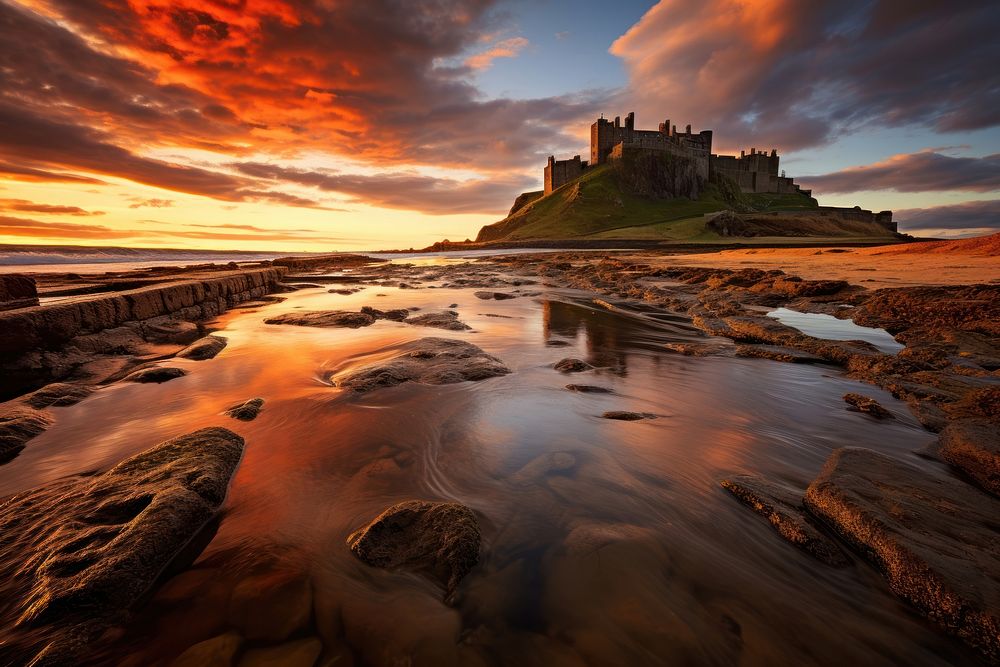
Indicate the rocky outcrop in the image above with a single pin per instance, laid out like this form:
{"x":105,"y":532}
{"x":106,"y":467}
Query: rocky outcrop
{"x":437,"y":539}
{"x":58,"y":394}
{"x":933,"y":537}
{"x":496,"y":296}
{"x":50,"y":342}
{"x":867,"y":405}
{"x":626,"y":416}
{"x":324,"y":318}
{"x":781,"y":506}
{"x":427,"y":361}
{"x":446,"y":319}
{"x":17,"y":291}
{"x":777,"y":353}
{"x":78,"y":553}
{"x":247,"y":410}
{"x":157,"y":374}
{"x":570,"y":365}
{"x":203,"y":348}
{"x":589,"y":389}
{"x":18,"y":425}
{"x":973,"y":446}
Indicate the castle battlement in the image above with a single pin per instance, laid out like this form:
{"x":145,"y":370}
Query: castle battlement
{"x":756,"y":171}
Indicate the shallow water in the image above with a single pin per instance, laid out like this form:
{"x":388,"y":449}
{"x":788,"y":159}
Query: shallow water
{"x":821,"y":325}
{"x":631,"y":555}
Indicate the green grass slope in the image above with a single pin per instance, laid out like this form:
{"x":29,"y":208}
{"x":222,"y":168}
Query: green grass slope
{"x":597,"y":206}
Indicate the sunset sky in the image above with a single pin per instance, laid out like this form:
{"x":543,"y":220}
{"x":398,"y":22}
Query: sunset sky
{"x":328,"y":124}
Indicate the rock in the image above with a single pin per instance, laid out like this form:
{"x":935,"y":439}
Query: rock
{"x":781,"y":506}
{"x":870,"y":406}
{"x":624,"y":415}
{"x":555,"y":342}
{"x":58,"y":394}
{"x":345,"y":291}
{"x":778,"y":353}
{"x":300,"y":653}
{"x":79,"y":552}
{"x":324,"y":318}
{"x":246,"y":411}
{"x":570,"y":365}
{"x":589,"y":389}
{"x":156,"y":374}
{"x":17,"y":291}
{"x":498,"y":296}
{"x":215,"y":652}
{"x":427,"y":361}
{"x":447,"y":319}
{"x":203,"y":348}
{"x":166,"y":329}
{"x":694,"y":349}
{"x":271,"y":606}
{"x":17,"y":426}
{"x":436,"y":539}
{"x":547,"y":464}
{"x":973,"y":446}
{"x":933,"y":537}
{"x":396,"y":315}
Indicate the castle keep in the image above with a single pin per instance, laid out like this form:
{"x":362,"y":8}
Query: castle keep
{"x":754,"y":172}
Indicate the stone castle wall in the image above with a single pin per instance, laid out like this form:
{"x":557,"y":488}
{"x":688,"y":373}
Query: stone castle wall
{"x":560,"y":172}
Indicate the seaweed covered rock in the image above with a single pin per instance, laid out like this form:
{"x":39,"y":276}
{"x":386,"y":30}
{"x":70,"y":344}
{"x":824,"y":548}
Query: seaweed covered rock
{"x":436,"y":539}
{"x":427,"y":361}
{"x":78,"y":553}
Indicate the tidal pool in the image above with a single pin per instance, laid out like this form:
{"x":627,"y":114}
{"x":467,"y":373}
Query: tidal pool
{"x":827,"y":326}
{"x":630,"y":555}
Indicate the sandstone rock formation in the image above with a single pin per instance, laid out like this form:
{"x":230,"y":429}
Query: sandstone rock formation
{"x":18,"y":425}
{"x":497,"y":296}
{"x":973,"y":446}
{"x":436,"y":539}
{"x":446,"y":319}
{"x":589,"y":389}
{"x":570,"y":365}
{"x":157,"y":374}
{"x":427,"y":361}
{"x":78,"y":553}
{"x":324,"y":318}
{"x":17,"y":291}
{"x":218,"y":651}
{"x":58,"y":394}
{"x":247,"y":410}
{"x":933,"y":537}
{"x":867,"y":405}
{"x":204,"y":348}
{"x":781,"y":506}
{"x":778,"y":353}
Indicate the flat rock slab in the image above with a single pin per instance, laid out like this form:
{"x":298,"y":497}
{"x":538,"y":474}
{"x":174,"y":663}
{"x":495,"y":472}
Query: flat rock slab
{"x":446,"y":319}
{"x":497,"y":296}
{"x":778,"y":353}
{"x":18,"y":425}
{"x":589,"y":389}
{"x":437,"y":539}
{"x":867,"y":405}
{"x":155,"y":374}
{"x":247,"y":410}
{"x":935,"y":538}
{"x":203,"y":348}
{"x":781,"y":506}
{"x":973,"y":446}
{"x":427,"y":361}
{"x":78,"y":553}
{"x":324,"y":318}
{"x":570,"y":365}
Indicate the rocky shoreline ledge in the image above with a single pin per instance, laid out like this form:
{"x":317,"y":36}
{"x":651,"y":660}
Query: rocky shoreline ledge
{"x":932,"y":534}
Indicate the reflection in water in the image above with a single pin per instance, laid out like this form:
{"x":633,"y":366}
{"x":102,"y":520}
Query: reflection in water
{"x":604,"y":542}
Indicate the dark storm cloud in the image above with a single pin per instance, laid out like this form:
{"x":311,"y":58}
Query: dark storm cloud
{"x":796,"y":74}
{"x":914,"y":172}
{"x":968,"y":216}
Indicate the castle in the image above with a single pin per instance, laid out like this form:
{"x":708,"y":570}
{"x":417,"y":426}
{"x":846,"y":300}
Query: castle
{"x":754,"y":172}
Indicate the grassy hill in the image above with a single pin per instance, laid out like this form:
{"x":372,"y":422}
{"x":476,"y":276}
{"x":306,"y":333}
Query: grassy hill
{"x":601,"y":205}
